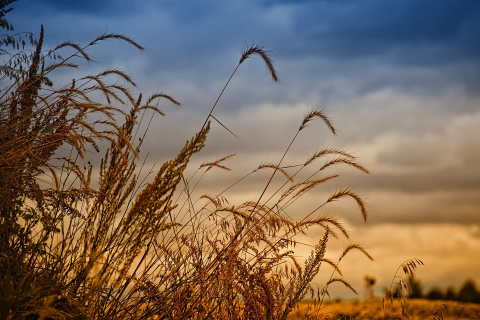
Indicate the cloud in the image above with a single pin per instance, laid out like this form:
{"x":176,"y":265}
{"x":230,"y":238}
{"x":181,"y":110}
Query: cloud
{"x":419,"y":47}
{"x":352,"y":29}
{"x":445,"y":249}
{"x":449,"y":148}
{"x":400,"y":80}
{"x":87,"y":7}
{"x":393,"y":244}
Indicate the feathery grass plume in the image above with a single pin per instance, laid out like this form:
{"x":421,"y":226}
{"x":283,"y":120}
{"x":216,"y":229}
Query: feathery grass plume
{"x":402,"y":286}
{"x":325,"y":222}
{"x":155,"y":97}
{"x":253,"y":49}
{"x":354,"y":246}
{"x":259,"y":50}
{"x":298,"y":289}
{"x":316,"y":114}
{"x":310,"y":184}
{"x":326,"y":151}
{"x":216,"y":163}
{"x":79,"y":50}
{"x":349,"y":193}
{"x":277,"y":168}
{"x":304,"y":186}
{"x":116,"y":36}
{"x":217,"y":201}
{"x":344,"y":161}
{"x":342,"y":281}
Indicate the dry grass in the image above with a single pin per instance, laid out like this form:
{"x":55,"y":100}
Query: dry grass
{"x":418,"y":309}
{"x":155,"y":248}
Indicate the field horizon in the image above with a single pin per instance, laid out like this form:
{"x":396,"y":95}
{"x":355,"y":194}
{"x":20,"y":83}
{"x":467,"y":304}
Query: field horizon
{"x":417,"y":309}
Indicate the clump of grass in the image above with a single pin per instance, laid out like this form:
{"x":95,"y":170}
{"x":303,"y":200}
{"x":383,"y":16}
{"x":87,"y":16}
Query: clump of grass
{"x":144,"y":249}
{"x":400,"y":287}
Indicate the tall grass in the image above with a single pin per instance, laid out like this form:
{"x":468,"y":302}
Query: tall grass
{"x":152,"y":248}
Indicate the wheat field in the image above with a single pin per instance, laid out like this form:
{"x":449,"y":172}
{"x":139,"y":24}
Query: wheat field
{"x":417,"y":309}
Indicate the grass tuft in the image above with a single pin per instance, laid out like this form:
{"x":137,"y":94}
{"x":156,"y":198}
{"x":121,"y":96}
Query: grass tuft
{"x":88,"y":238}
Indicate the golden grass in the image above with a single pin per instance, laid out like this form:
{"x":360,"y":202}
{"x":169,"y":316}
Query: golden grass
{"x":417,"y":309}
{"x":148,"y":248}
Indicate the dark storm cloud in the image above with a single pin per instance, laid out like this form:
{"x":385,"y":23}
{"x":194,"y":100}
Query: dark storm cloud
{"x":89,"y":7}
{"x":333,"y":37}
{"x":437,"y":31}
{"x":352,"y":29}
{"x":428,"y":45}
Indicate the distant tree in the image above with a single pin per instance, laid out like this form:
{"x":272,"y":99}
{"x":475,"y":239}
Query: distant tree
{"x":468,"y":292}
{"x":435,"y":294}
{"x":416,"y":291}
{"x":450,"y":294}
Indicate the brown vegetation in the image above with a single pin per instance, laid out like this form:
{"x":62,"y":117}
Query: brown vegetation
{"x":418,"y":309}
{"x":148,"y":248}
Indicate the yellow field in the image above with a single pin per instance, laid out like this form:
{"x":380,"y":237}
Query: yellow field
{"x":372,"y":310}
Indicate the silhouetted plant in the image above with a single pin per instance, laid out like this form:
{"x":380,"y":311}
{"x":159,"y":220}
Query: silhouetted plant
{"x":148,"y":248}
{"x":400,"y":287}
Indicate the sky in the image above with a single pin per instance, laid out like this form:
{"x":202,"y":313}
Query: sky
{"x":400,"y":80}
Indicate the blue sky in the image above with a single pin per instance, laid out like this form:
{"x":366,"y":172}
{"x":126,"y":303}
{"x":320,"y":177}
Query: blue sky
{"x":400,"y":78}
